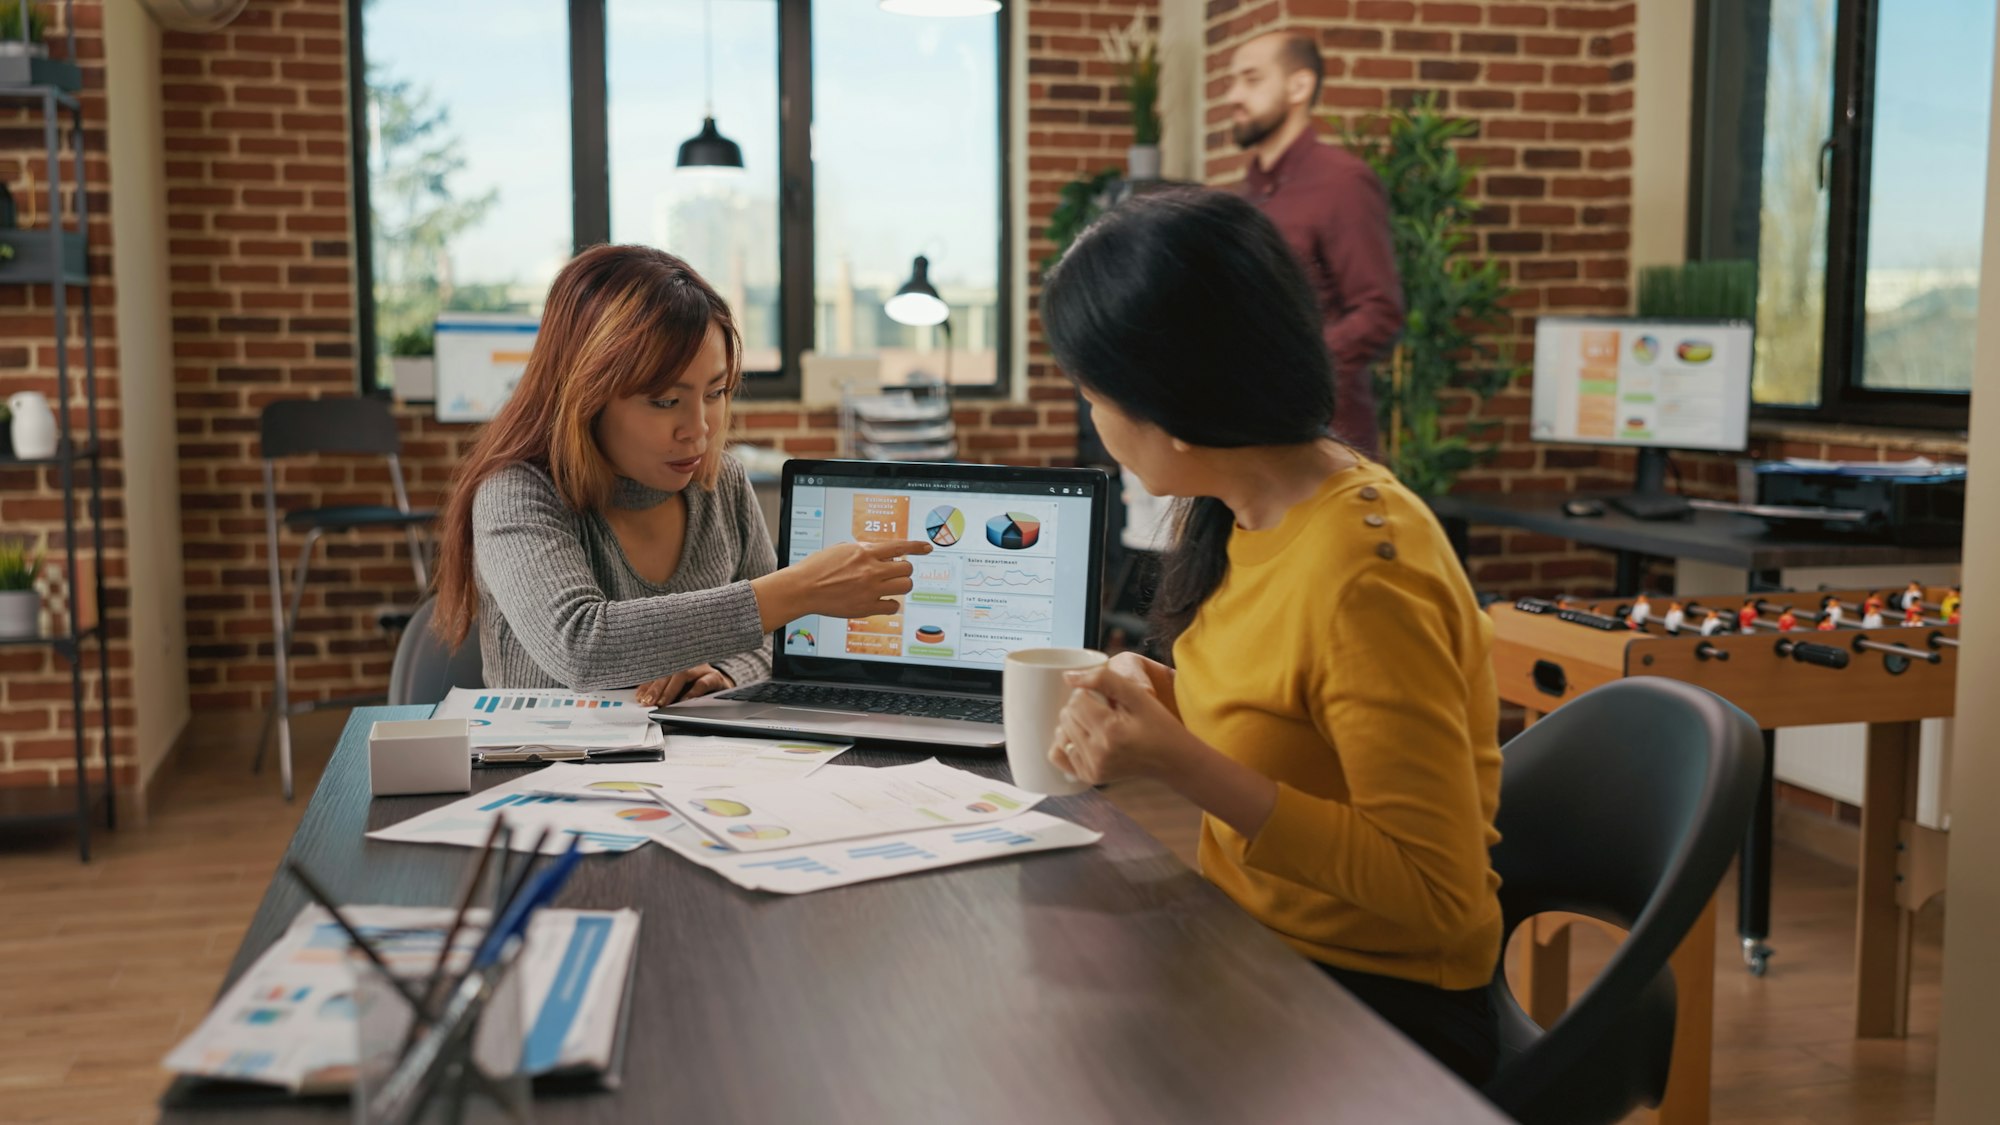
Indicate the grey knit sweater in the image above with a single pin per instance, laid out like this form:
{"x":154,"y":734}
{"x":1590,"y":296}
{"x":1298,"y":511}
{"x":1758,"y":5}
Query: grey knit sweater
{"x":561,"y":607}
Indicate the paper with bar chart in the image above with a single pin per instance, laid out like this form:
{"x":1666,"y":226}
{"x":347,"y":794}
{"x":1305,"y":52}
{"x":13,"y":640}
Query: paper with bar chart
{"x":600,"y":826}
{"x":792,"y":871}
{"x":693,"y":759}
{"x":505,"y":718}
{"x":845,"y":803}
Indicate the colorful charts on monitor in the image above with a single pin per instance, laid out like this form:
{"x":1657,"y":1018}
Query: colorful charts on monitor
{"x":945,"y":525}
{"x":1015,"y":531}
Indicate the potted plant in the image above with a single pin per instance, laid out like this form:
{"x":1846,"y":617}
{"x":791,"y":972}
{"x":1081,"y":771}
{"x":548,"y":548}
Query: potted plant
{"x":20,"y":605}
{"x":412,"y":364}
{"x":1452,"y":305}
{"x":11,"y":42}
{"x":1135,"y":50}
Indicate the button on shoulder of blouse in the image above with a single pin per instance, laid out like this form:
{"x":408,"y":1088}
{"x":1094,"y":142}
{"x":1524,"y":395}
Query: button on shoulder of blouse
{"x":1386,"y":550}
{"x":1370,"y":492}
{"x":1374,"y":519}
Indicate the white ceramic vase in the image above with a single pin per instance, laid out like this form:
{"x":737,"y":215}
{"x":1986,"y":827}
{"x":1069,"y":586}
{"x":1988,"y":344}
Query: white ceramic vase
{"x":20,"y":613}
{"x":1142,"y":162}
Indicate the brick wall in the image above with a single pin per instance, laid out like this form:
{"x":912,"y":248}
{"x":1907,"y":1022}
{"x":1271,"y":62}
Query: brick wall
{"x":263,"y":298}
{"x":36,"y":720}
{"x":1549,"y":86}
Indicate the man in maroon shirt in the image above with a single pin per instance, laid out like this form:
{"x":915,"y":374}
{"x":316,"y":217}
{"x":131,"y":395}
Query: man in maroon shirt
{"x":1330,"y":207}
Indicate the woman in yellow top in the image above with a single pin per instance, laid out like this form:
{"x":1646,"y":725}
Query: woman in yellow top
{"x":1331,"y":706}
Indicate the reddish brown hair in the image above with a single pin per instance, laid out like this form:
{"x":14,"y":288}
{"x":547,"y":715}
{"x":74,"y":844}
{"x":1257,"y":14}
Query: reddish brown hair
{"x":621,"y":321}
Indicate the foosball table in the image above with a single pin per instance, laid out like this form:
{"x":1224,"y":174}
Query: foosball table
{"x":1884,"y":658}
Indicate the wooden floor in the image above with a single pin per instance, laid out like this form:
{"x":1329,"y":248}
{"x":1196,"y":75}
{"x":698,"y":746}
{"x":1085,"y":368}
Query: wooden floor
{"x":104,"y":966}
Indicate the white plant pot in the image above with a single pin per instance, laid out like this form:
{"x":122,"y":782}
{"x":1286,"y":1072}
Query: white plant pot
{"x":14,"y":48}
{"x":1142,"y":162}
{"x":413,"y":377}
{"x":20,"y":613}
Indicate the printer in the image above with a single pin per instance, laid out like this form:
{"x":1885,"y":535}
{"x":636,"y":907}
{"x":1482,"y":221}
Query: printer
{"x":1910,"y":503}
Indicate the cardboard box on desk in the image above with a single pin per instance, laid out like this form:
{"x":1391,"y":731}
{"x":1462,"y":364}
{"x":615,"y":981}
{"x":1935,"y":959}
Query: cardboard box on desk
{"x":420,"y":756}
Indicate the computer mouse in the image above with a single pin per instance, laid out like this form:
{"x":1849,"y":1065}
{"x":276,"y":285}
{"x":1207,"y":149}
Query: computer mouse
{"x":1584,"y":508}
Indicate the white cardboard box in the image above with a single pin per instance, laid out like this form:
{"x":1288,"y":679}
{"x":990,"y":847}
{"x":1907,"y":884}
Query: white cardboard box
{"x":420,"y":756}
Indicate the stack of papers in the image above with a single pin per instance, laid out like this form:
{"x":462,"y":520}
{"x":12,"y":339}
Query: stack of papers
{"x":609,"y":809}
{"x":289,"y":1020}
{"x":527,"y":724}
{"x":765,"y":814}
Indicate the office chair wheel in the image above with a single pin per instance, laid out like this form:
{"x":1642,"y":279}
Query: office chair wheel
{"x":1756,"y":956}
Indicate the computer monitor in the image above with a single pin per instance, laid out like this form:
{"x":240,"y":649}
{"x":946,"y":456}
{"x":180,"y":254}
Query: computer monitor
{"x":1651,"y":384}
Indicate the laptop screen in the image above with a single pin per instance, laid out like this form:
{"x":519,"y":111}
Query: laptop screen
{"x":1012,"y":565}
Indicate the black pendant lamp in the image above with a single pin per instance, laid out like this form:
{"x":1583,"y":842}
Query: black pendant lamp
{"x":709,"y":150}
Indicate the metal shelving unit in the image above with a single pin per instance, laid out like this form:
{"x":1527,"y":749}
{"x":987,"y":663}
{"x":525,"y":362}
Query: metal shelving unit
{"x":55,"y":257}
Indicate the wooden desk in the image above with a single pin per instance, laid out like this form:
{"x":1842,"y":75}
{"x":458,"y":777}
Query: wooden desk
{"x":1108,"y":983}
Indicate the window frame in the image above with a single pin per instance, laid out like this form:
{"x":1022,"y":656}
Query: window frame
{"x":590,"y":182}
{"x":1722,"y":126}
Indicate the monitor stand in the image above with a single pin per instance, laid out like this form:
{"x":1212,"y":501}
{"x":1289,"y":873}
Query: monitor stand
{"x":1649,"y":499}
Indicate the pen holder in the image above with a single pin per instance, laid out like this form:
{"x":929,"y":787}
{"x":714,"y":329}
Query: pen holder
{"x":466,"y":1067}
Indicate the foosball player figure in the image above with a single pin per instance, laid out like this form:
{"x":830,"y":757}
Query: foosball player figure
{"x":1871,"y":612}
{"x":1746,"y":618}
{"x":1642,"y":610}
{"x":1712,"y":624}
{"x":1913,"y":595}
{"x":1829,"y":614}
{"x":1676,"y":617}
{"x":1787,"y":621}
{"x":1948,"y":607}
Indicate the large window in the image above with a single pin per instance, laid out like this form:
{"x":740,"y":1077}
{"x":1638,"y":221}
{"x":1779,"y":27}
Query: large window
{"x":868,"y":138}
{"x":1843,"y":148}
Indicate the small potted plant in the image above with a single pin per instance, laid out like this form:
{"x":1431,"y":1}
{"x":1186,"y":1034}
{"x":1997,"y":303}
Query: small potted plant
{"x":412,"y":364}
{"x":1135,"y":50}
{"x":11,"y":42}
{"x":20,"y":605}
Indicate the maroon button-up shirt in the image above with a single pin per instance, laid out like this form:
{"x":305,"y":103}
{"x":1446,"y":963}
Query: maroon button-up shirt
{"x":1330,"y":206}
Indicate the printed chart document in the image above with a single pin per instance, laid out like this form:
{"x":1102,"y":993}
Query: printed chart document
{"x":289,"y":1020}
{"x":604,"y":826}
{"x":845,"y":802}
{"x":506,"y":719}
{"x":793,"y":871}
{"x":694,"y":760}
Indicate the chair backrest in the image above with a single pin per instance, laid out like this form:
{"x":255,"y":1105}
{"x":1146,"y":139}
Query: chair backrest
{"x":1626,"y":804}
{"x":295,"y":427}
{"x":424,"y":669}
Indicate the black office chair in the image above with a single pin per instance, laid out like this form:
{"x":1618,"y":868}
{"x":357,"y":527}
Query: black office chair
{"x":425,"y":669}
{"x":302,"y":427}
{"x":1626,"y":804}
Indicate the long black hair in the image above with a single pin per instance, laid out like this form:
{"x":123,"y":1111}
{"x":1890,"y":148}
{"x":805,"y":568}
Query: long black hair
{"x":1186,"y":309}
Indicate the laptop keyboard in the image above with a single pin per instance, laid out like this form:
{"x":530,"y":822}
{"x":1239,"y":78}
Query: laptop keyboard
{"x":870,"y":701}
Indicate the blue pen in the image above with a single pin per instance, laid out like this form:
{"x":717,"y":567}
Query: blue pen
{"x":541,"y":889}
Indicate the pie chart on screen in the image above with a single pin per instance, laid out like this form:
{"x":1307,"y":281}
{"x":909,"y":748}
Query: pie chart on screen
{"x":945,"y":525}
{"x":1015,"y":531}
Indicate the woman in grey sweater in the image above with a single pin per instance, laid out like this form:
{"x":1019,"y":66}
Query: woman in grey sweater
{"x":598,"y":534}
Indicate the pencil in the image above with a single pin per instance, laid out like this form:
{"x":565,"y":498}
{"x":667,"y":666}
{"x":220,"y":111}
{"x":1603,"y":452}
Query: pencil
{"x":366,"y":947}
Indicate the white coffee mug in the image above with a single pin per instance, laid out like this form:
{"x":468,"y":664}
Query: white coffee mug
{"x":1032,"y":695}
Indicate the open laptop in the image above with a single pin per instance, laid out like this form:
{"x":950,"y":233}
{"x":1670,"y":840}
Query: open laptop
{"x":1017,"y":562}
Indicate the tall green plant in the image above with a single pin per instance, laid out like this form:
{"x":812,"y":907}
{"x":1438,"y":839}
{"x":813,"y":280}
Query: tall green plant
{"x":1453,"y":304}
{"x":1723,"y":290}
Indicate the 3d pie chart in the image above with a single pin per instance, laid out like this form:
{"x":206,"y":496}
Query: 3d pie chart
{"x":622,"y":786}
{"x":945,"y":525}
{"x":930,"y":635}
{"x":718,"y":806}
{"x":1695,"y":351}
{"x":642,"y":814}
{"x":1015,"y":531}
{"x":759,"y":831}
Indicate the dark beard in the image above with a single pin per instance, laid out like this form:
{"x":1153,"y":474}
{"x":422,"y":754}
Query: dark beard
{"x":1252,"y":133}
